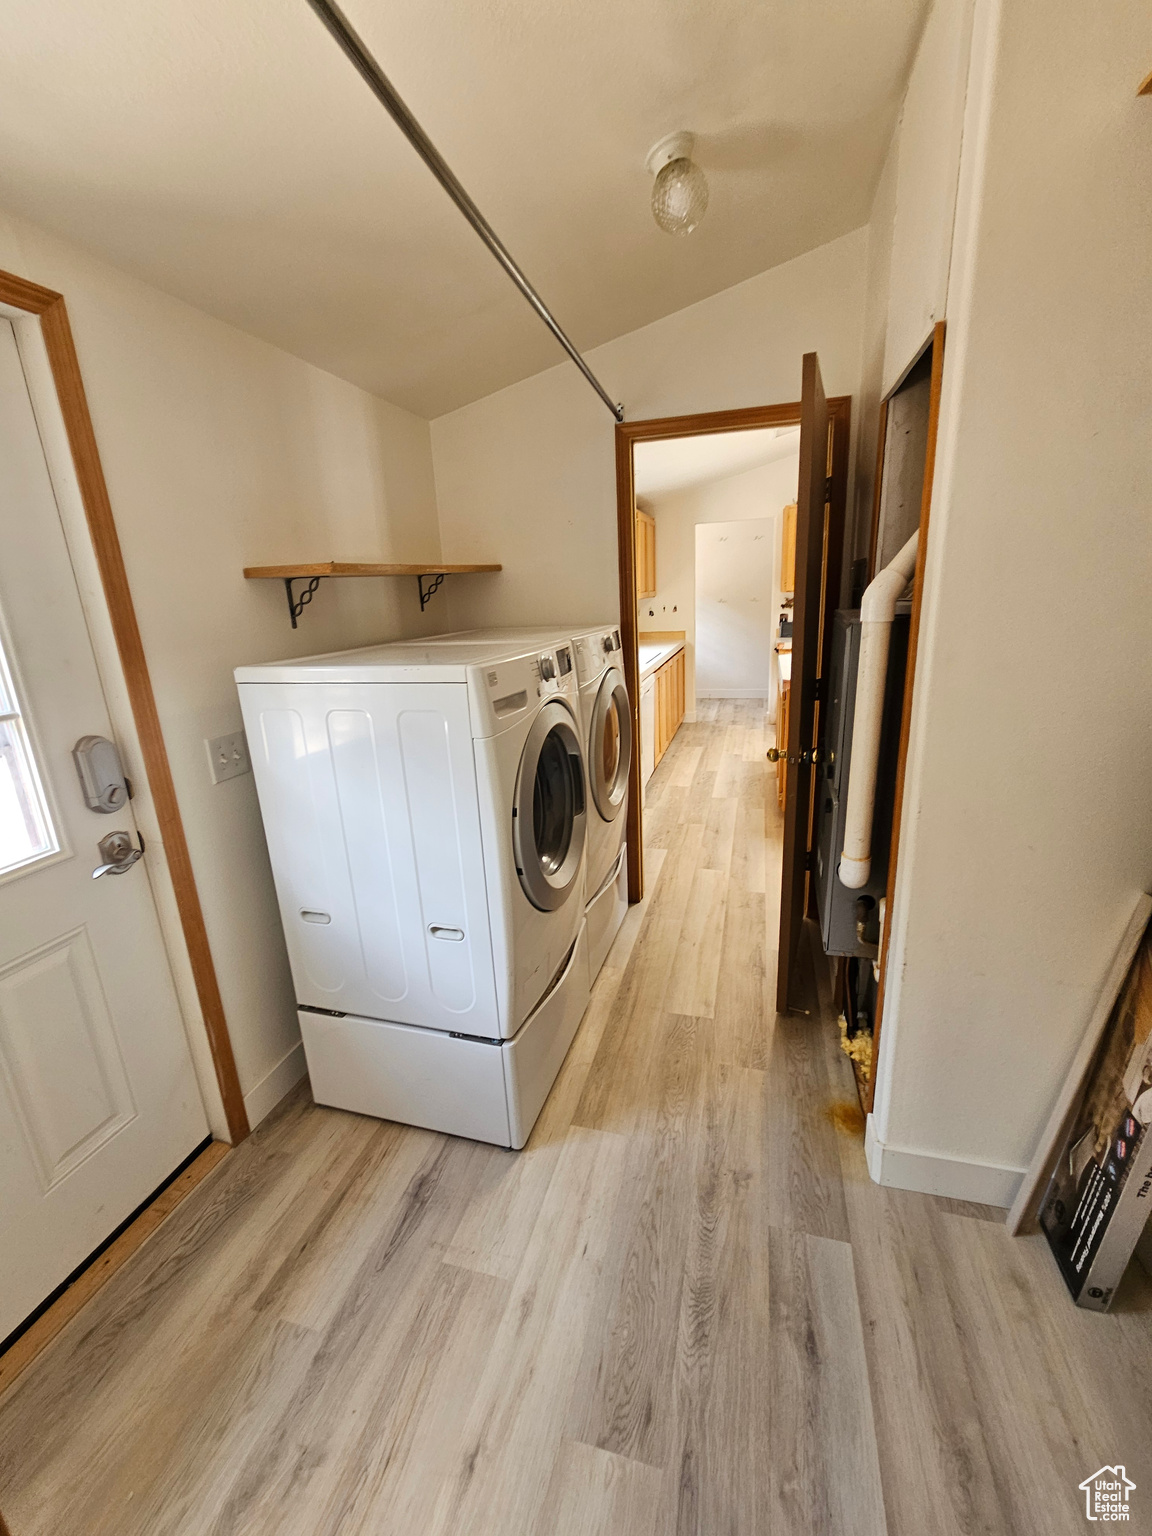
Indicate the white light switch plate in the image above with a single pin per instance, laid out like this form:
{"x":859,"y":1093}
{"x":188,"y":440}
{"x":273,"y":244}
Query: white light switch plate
{"x":228,"y":757}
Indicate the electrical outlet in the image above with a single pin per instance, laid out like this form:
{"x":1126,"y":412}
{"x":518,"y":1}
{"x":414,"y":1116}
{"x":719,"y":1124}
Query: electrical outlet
{"x":228,"y":757}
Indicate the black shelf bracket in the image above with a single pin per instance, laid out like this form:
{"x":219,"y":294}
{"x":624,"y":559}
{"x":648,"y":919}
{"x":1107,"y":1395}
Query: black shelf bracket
{"x":297,"y":605}
{"x":426,"y":594}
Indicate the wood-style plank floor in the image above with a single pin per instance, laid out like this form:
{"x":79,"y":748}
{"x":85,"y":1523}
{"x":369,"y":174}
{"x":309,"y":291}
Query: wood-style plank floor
{"x":682,"y":1309}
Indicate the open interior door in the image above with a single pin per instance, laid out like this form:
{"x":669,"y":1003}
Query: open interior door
{"x":807,"y":646}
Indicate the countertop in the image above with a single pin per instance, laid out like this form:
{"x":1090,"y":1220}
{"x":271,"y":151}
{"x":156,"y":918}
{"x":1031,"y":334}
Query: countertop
{"x":654,"y":653}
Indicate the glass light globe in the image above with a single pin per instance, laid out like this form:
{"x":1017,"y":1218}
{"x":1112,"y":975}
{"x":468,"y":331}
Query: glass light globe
{"x":679,"y":197}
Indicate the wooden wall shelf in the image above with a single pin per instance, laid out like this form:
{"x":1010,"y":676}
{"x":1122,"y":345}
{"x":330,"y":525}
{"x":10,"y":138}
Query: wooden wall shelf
{"x":315,"y":572}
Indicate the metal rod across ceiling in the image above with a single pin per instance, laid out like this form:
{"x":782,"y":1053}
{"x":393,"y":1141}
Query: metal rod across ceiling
{"x":344,"y":33}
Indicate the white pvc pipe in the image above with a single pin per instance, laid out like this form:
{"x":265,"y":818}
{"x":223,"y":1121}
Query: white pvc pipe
{"x":877,"y":610}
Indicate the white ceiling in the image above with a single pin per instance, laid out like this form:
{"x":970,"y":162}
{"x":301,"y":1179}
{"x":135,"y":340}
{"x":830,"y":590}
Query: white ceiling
{"x":674,"y":464}
{"x":226,"y":151}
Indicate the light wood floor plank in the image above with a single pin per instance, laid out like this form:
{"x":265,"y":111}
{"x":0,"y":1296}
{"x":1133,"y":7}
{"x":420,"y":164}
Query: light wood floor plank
{"x":498,"y":1224}
{"x":805,"y":1190}
{"x":514,"y":1431}
{"x":594,"y":1493}
{"x":719,"y":835}
{"x":695,"y":969}
{"x":825,"y":1468}
{"x":622,"y":1400}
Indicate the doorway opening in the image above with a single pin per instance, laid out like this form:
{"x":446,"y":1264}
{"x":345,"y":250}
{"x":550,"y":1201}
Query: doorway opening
{"x":712,"y":515}
{"x":706,"y":539}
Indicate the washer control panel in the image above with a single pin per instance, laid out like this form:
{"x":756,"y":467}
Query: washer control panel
{"x":596,"y":651}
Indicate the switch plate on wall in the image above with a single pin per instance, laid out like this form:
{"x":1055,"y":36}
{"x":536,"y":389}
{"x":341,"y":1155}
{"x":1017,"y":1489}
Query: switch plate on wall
{"x":228,"y":757}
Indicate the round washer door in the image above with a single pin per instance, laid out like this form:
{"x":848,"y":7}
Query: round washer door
{"x":549,"y":819}
{"x":610,"y":745}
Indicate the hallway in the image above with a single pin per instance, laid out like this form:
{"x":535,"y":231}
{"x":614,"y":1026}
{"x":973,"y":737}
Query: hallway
{"x":682,"y":1309}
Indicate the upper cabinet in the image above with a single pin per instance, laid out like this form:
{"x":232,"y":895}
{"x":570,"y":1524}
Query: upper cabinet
{"x":645,"y":553}
{"x":788,"y":551}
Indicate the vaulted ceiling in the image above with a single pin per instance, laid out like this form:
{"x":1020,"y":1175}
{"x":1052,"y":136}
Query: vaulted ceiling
{"x":225,"y":151}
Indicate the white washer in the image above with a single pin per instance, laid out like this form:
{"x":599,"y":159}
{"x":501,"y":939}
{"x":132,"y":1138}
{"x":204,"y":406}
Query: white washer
{"x":426,"y":819}
{"x":607,"y":726}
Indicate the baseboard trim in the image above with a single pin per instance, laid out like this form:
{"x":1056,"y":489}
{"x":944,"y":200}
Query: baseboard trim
{"x":930,"y":1173}
{"x":263,"y":1099}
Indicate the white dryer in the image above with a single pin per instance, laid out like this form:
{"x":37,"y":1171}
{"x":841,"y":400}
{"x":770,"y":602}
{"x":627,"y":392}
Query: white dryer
{"x":607,"y":733}
{"x":426,"y":818}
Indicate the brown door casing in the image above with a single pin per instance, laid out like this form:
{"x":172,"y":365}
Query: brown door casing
{"x":935,"y":387}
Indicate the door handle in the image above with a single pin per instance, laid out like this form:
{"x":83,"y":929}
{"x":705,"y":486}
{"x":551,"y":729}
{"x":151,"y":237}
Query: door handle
{"x":118,"y":854}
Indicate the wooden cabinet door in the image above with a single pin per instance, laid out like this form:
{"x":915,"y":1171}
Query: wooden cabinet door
{"x":645,"y":554}
{"x":788,"y":551}
{"x":661,"y":712}
{"x":669,"y":681}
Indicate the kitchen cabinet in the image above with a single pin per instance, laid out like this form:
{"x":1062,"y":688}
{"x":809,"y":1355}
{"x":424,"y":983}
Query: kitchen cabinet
{"x":662,"y":694}
{"x":647,"y":728}
{"x":788,"y":551}
{"x":645,"y":554}
{"x":669,"y":703}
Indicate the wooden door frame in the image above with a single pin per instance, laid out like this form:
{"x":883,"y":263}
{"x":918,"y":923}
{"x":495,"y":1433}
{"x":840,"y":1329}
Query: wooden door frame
{"x":49,"y":309}
{"x":934,"y":389}
{"x":628,"y":434}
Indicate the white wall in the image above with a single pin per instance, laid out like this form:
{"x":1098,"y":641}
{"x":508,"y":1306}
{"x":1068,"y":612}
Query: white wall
{"x":1028,"y":805}
{"x":928,"y":155}
{"x":221,"y":451}
{"x":527,"y":475}
{"x":734,"y":618}
{"x":875,"y":332}
{"x":765,"y":490}
{"x":910,"y":229}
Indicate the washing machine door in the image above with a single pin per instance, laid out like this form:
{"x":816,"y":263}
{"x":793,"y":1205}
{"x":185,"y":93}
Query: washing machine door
{"x":549,"y":818}
{"x":610,"y":745}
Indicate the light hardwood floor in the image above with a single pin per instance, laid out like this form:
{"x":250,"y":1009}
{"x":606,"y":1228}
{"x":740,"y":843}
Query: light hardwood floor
{"x":682,"y":1309}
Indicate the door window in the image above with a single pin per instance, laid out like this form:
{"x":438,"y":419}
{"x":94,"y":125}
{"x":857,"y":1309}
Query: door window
{"x":554,"y":802}
{"x":610,"y":742}
{"x":26,"y":830}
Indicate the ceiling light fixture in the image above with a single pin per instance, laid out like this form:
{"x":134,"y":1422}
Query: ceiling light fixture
{"x":680,"y":192}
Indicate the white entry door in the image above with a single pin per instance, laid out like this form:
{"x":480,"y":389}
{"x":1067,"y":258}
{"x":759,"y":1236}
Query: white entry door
{"x":98,"y":1098}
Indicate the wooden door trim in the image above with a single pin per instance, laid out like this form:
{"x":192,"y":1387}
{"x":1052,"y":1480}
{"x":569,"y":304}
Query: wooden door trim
{"x":61,"y":350}
{"x":699,"y":424}
{"x":934,"y":387}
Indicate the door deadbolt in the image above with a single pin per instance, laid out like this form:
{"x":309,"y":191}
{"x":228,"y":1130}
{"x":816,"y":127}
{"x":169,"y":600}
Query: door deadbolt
{"x":118,"y":854}
{"x":102,"y":778}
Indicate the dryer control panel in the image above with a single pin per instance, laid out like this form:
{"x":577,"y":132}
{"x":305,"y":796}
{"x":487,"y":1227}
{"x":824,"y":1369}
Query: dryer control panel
{"x":504,"y":692}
